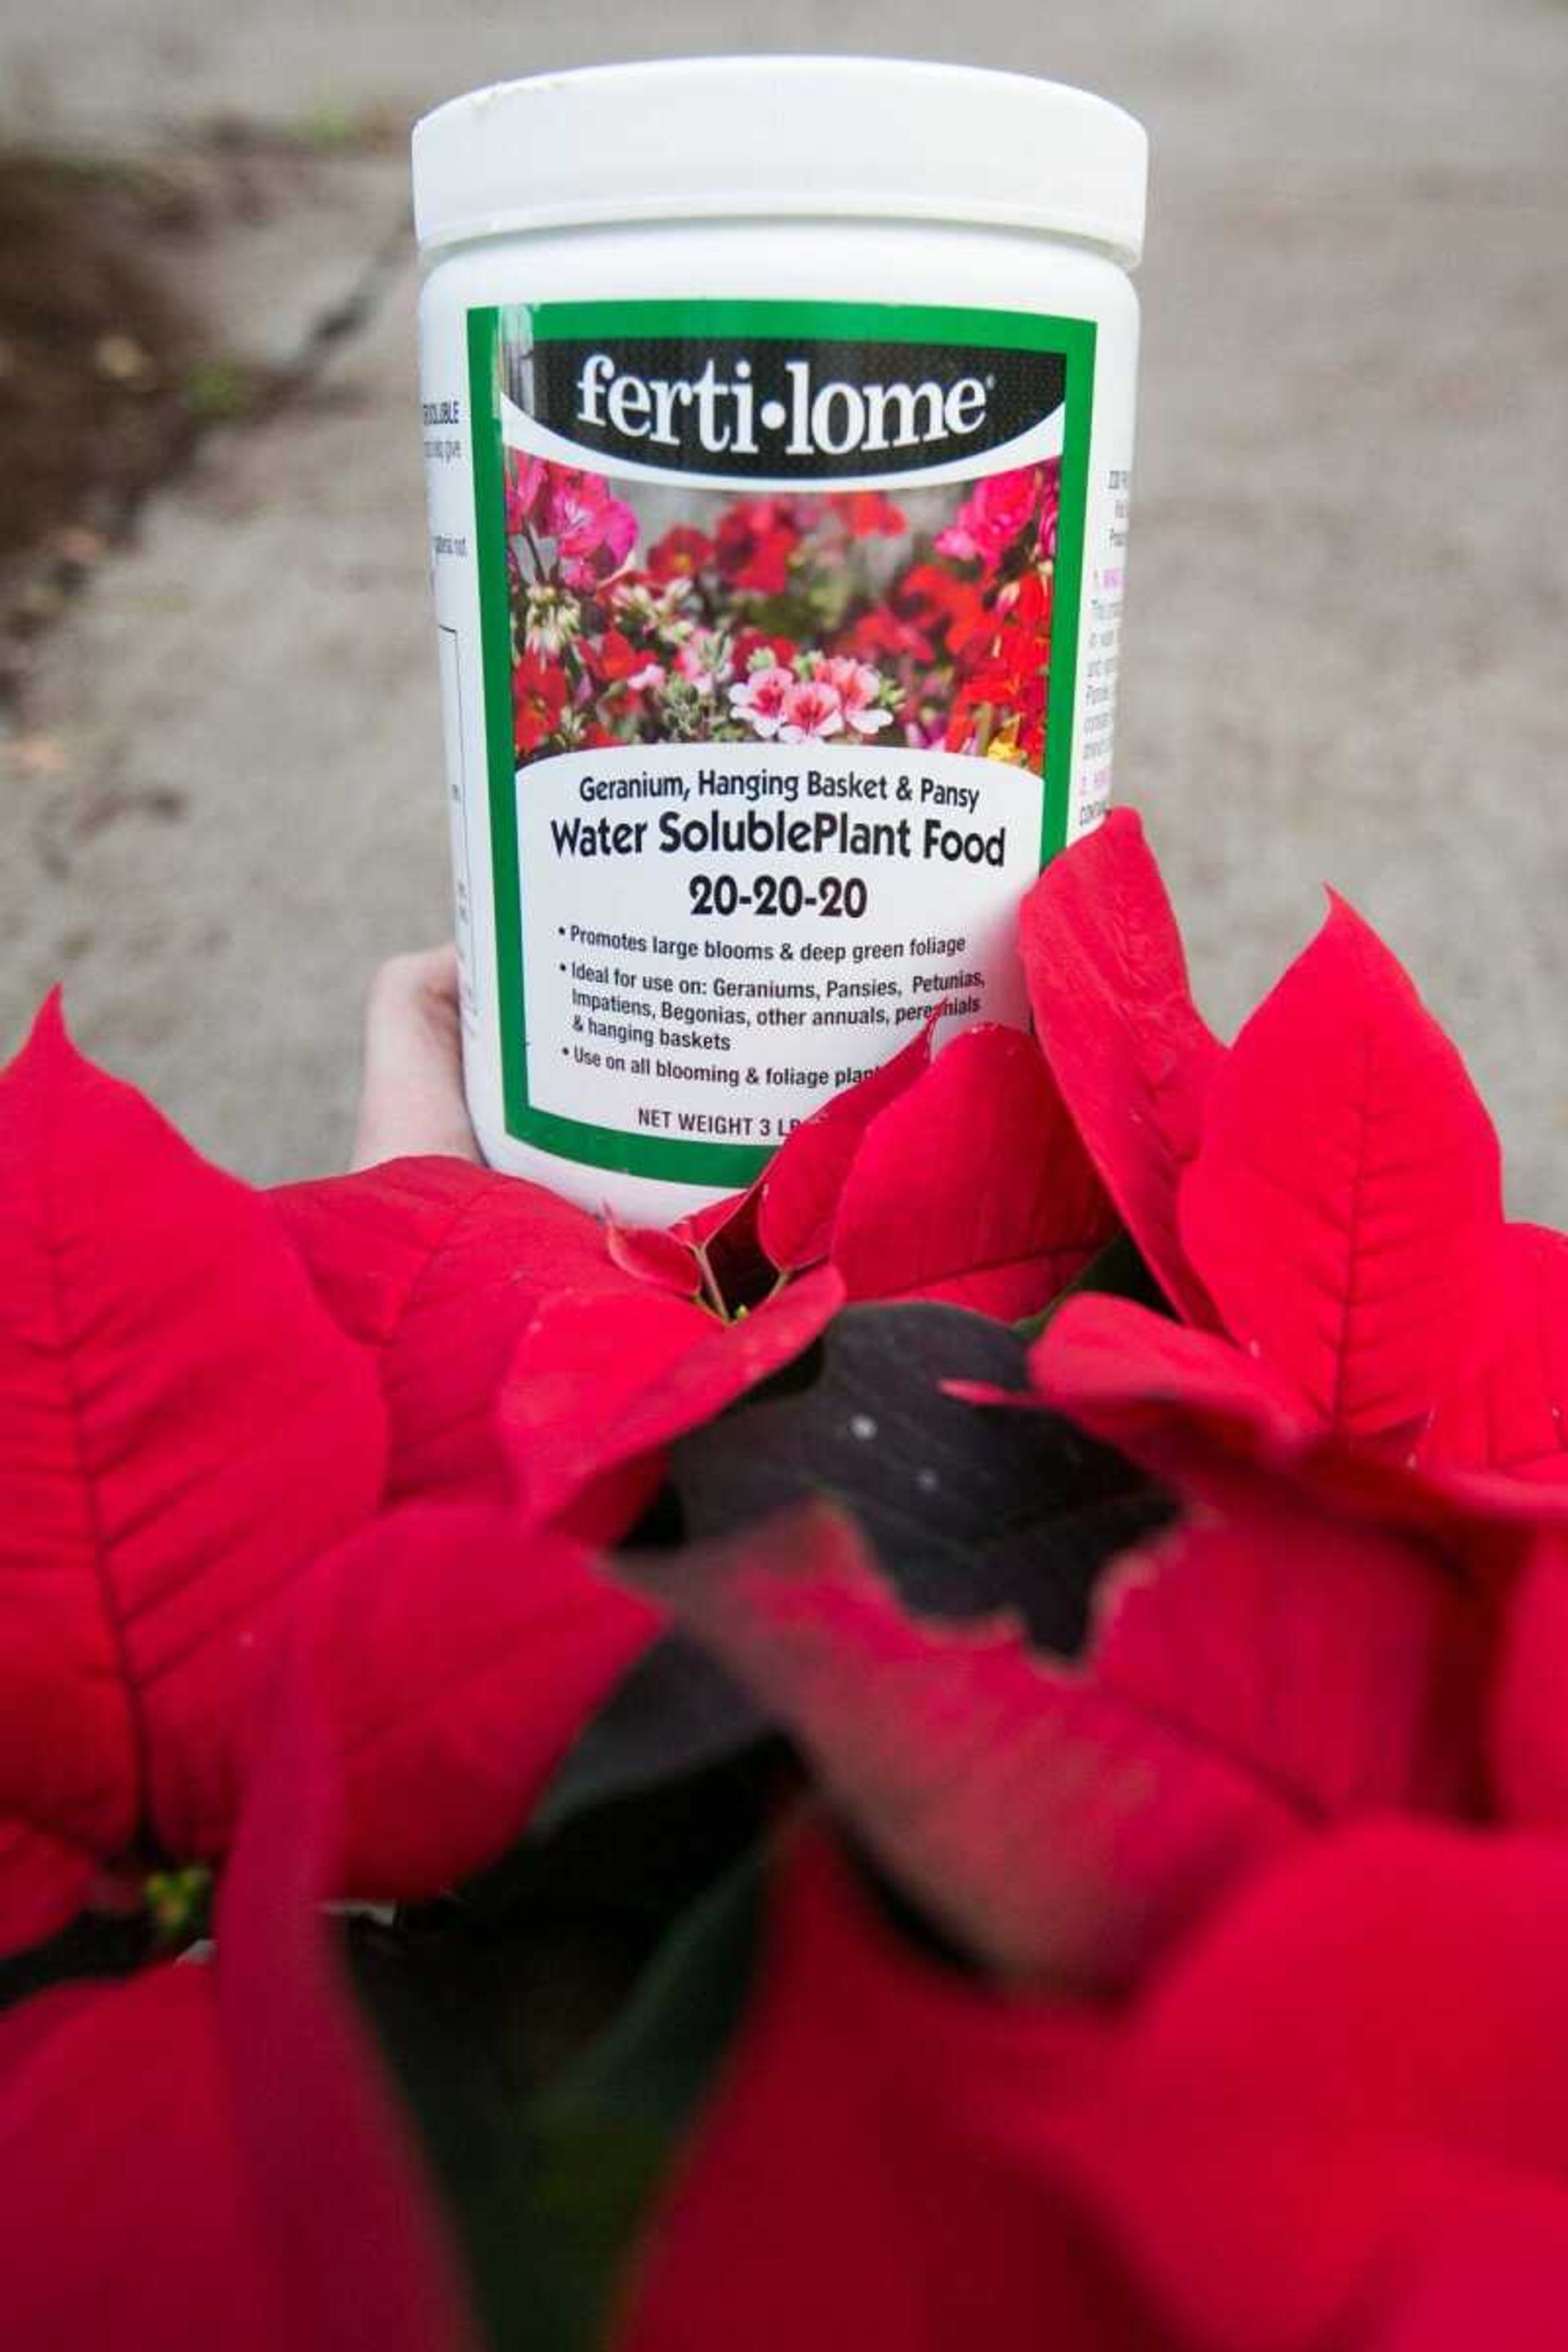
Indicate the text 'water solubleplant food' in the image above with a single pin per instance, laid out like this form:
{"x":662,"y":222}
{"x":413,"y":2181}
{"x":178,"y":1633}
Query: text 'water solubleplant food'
{"x":778,"y":418}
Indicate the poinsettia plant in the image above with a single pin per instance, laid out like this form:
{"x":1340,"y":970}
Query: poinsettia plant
{"x":964,"y":1748}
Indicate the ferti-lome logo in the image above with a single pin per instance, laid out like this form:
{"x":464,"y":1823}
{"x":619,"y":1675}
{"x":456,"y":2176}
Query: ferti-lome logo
{"x":770,"y":408}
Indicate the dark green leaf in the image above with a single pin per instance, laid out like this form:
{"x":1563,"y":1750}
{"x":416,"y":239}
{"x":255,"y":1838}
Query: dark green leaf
{"x":1117,"y":1271}
{"x":641,"y":1832}
{"x":547,"y":2184}
{"x":93,"y":1946}
{"x":674,"y":1712}
{"x":971,"y":1507}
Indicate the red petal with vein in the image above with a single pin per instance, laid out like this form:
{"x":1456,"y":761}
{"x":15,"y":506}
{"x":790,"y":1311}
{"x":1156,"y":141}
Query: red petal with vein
{"x":592,"y":1392}
{"x":1513,"y":1417}
{"x":208,"y":2155}
{"x":1134,"y":1058}
{"x":442,"y":1266}
{"x":971,"y":1186}
{"x":456,"y":1657}
{"x":1152,"y":1386}
{"x":1345,"y":1211}
{"x":1362,"y":2063}
{"x":798,"y":1192}
{"x":842,"y":2193}
{"x":1249,"y":1680}
{"x":184,"y":1430}
{"x":81,"y":1777}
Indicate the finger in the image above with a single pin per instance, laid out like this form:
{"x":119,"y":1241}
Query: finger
{"x":412,"y":1098}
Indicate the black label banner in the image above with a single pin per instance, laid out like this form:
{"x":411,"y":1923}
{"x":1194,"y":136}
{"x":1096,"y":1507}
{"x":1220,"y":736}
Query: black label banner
{"x":803,"y":411}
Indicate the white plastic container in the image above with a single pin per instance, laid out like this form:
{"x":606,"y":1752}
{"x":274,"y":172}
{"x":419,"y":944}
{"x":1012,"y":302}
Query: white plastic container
{"x":778,"y":418}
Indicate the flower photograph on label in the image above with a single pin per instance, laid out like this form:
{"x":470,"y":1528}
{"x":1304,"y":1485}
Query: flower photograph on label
{"x":693,"y":616}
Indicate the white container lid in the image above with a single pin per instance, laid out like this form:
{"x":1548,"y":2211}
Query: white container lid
{"x":872,"y":137}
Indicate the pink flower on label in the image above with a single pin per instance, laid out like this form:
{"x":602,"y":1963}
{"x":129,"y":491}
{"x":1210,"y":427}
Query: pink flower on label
{"x":593,"y":532}
{"x":695,"y":661}
{"x":762,"y":700}
{"x":811,"y":710}
{"x":858,"y":687}
{"x":1050,"y":505}
{"x":525,"y":480}
{"x":991,"y":517}
{"x":642,"y":681}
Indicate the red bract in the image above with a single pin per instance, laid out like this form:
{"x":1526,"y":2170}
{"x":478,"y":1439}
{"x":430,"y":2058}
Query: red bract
{"x":457,"y":1655}
{"x":1338,"y":2123}
{"x":668,"y":1261}
{"x":465,"y":1280}
{"x":209,"y":2155}
{"x":491,"y":1301}
{"x":971,"y":1186}
{"x":1344,"y":1209}
{"x":440,"y":1267}
{"x":1152,"y":1387}
{"x":1511,"y":1415}
{"x":1357,"y":2084}
{"x":1529,"y":1703}
{"x":1108,"y":982}
{"x":1328,"y":1194}
{"x":960,"y":1177}
{"x":193,"y":1452}
{"x":185,"y":1430}
{"x":591,"y":1399}
{"x":1189,"y":1407}
{"x":1251,"y":1677}
{"x":847,"y":2190}
{"x":797,"y":1194}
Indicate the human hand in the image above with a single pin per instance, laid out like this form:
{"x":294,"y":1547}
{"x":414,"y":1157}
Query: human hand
{"x":411,"y":1100}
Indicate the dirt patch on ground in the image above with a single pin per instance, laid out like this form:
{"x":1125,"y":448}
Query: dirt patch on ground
{"x":106,"y":376}
{"x":95,"y":352}
{"x":110,"y":368}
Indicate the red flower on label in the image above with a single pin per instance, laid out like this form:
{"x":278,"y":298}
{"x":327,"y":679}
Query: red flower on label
{"x":539,"y":693}
{"x":960,"y":618}
{"x":754,"y":543}
{"x":681,"y":554}
{"x":750,"y":643}
{"x":998,"y":510}
{"x":869,"y":514}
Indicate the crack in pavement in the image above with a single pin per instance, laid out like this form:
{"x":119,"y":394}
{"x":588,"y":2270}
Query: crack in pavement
{"x":42,"y":592}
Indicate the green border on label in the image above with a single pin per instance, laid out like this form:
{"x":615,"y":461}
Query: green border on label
{"x":662,"y":1158}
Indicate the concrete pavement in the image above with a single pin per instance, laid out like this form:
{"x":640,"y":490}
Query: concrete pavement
{"x":1349,"y":558}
